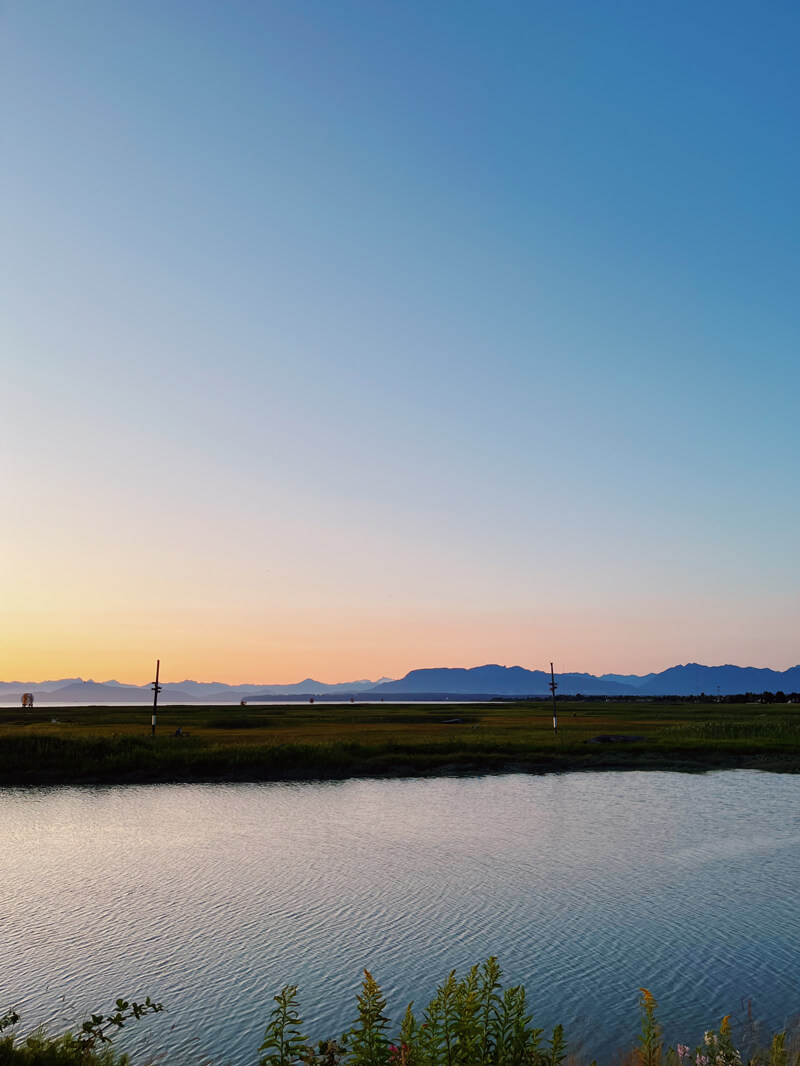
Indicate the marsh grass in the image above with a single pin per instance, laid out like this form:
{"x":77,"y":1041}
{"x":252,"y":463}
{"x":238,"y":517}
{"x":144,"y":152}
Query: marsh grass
{"x":116,"y":756}
{"x":772,"y":727}
{"x":301,"y":742}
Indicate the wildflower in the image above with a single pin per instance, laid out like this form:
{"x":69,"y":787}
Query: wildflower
{"x":701,"y":1060}
{"x":709,"y":1038}
{"x":648,"y":999}
{"x":683,"y":1051}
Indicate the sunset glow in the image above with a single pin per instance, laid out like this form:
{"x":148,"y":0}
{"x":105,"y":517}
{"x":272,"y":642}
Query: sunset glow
{"x":340,"y":341}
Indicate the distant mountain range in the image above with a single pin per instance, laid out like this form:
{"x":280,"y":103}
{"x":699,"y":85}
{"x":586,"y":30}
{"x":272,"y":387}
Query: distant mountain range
{"x":689,"y":680}
{"x":692,"y":679}
{"x":76,"y":690}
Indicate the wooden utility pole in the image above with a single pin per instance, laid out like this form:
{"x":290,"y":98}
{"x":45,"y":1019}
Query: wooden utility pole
{"x":553,"y":687}
{"x":156,"y":690}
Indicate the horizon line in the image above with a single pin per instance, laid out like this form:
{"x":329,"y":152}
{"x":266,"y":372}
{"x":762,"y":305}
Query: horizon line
{"x":386,"y":678}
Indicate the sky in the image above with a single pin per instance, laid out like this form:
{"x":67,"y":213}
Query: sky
{"x":340,"y":340}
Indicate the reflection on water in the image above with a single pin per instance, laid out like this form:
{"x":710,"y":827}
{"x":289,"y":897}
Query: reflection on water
{"x":211,"y":897}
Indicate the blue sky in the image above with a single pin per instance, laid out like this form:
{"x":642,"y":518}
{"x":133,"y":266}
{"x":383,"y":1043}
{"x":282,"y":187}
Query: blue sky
{"x":344,"y":339}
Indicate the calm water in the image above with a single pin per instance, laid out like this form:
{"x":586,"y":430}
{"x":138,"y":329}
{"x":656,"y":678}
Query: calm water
{"x":211,"y":897}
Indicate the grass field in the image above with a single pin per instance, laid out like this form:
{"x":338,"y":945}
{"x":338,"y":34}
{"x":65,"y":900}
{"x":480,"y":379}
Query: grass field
{"x":299,"y":741}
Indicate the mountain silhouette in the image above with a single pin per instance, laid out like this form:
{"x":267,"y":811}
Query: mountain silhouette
{"x":692,"y":679}
{"x":500,"y":681}
{"x":689,"y":679}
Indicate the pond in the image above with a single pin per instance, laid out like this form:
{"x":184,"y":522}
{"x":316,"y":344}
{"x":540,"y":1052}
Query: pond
{"x":586,"y":886}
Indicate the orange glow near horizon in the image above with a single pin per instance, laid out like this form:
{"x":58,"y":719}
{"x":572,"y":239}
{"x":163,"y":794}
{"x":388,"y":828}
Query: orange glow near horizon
{"x":324,"y":388}
{"x":359,"y":644}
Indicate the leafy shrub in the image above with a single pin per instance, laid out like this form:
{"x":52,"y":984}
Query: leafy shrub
{"x":470,"y":1022}
{"x":89,"y":1046}
{"x":474,"y":1022}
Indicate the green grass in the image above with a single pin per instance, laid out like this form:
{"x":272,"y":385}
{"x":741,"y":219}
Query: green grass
{"x":296,"y":742}
{"x":773,"y":727}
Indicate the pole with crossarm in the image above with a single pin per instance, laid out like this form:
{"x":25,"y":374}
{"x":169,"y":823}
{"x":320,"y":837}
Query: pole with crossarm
{"x":156,"y":690}
{"x":553,"y":686}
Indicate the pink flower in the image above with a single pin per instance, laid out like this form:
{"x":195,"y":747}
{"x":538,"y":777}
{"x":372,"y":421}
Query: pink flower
{"x":683,"y":1051}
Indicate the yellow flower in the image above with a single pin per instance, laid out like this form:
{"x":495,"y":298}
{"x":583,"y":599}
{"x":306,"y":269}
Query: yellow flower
{"x":648,"y":998}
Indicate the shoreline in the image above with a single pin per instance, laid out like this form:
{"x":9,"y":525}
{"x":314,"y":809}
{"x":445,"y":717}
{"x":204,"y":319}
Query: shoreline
{"x":112,"y":745}
{"x":648,"y":761}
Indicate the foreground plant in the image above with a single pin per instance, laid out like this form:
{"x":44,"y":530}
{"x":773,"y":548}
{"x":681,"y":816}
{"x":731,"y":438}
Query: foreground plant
{"x":717,"y":1048}
{"x":471,"y":1022}
{"x":475,"y":1022}
{"x":283,"y":1041}
{"x":89,"y":1046}
{"x":648,"y":1051}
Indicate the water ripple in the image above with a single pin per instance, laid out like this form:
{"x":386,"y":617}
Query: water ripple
{"x":210,"y":898}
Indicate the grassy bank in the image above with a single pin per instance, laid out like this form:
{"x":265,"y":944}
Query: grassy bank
{"x":298,"y":742}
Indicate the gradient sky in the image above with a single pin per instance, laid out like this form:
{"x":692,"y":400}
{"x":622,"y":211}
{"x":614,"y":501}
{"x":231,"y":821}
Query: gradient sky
{"x":340,"y":339}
